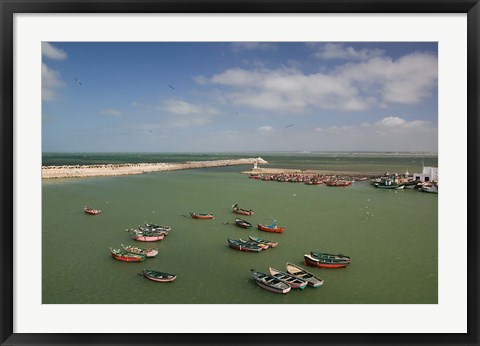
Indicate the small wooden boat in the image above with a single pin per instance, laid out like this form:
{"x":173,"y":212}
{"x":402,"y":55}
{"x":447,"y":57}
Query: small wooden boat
{"x":242,"y":223}
{"x":253,"y":243}
{"x":289,"y":279}
{"x":201,"y":216}
{"x":316,"y":254}
{"x":241,"y":211}
{"x":125,"y":256}
{"x":139,"y":250}
{"x":141,"y":236}
{"x":324,"y":262}
{"x":340,"y":183}
{"x":241,"y":246}
{"x":151,"y":226}
{"x":158,"y":276}
{"x":91,"y":211}
{"x":263,"y":241}
{"x":270,"y":283}
{"x":165,"y":230}
{"x":302,"y":274}
{"x":271,"y":228}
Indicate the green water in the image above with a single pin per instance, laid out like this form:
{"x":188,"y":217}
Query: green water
{"x":390,"y":235}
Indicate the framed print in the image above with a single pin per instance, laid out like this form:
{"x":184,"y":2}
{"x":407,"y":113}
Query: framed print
{"x":192,"y":172}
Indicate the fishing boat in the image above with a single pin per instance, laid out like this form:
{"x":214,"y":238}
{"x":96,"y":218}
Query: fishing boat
{"x":302,"y":274}
{"x":91,"y":211}
{"x":241,"y":246}
{"x":253,"y":243}
{"x":324,"y":262}
{"x":158,"y":276}
{"x":429,"y":189}
{"x":154,"y":227}
{"x":141,"y":236}
{"x":263,"y":241}
{"x":270,"y":283}
{"x":201,"y":216}
{"x":242,"y":223}
{"x":125,"y":256}
{"x":139,"y":250}
{"x":273,"y":227}
{"x":317,"y":254}
{"x":289,"y":279}
{"x":241,"y":211}
{"x":338,"y":183}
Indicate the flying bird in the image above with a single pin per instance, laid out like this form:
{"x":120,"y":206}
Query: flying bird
{"x":171,"y":87}
{"x":290,"y":125}
{"x":77,"y":81}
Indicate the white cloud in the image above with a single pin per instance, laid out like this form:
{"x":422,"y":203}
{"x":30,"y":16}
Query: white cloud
{"x":51,"y":82}
{"x":239,"y":46}
{"x":200,"y":79}
{"x":266,"y":129}
{"x":185,"y":108}
{"x":358,"y":86}
{"x":111,"y":111}
{"x":52,"y":52}
{"x":184,"y":114}
{"x":340,"y":51}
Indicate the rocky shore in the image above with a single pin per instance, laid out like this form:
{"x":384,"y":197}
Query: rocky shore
{"x":80,"y":171}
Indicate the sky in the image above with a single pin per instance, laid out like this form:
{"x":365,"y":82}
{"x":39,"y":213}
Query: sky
{"x":239,"y":96}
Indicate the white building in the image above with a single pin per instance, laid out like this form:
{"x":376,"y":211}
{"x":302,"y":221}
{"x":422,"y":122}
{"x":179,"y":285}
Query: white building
{"x":428,"y":174}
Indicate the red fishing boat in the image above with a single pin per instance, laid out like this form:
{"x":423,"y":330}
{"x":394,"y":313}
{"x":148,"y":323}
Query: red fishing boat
{"x":91,"y":211}
{"x":340,"y":183}
{"x":324,"y":262}
{"x":125,"y":256}
{"x":139,"y":250}
{"x":204,"y":216}
{"x":241,"y":211}
{"x":273,"y":227}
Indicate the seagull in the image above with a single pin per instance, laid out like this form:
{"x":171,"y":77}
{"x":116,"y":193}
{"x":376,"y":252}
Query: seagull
{"x":77,"y":81}
{"x":290,"y":125}
{"x":171,"y":87}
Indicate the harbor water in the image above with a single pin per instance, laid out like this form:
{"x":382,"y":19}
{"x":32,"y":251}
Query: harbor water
{"x":390,"y":235}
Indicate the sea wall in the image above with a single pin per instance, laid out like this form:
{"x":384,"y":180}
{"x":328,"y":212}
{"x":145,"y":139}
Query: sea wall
{"x":80,"y":171}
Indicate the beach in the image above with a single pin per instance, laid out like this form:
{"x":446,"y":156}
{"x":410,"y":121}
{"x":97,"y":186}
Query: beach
{"x":81,"y":171}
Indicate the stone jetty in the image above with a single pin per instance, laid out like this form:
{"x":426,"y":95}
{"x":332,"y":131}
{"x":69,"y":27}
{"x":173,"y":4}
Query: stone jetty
{"x":80,"y":171}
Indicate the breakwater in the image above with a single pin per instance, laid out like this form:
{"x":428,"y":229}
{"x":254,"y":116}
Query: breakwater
{"x":81,"y":171}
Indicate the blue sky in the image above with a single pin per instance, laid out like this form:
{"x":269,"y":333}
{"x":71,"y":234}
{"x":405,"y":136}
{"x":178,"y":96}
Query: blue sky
{"x":243,"y":96}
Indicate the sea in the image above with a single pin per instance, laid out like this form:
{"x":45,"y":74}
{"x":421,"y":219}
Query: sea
{"x":390,"y":235}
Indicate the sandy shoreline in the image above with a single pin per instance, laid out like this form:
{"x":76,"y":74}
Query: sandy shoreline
{"x":81,"y":171}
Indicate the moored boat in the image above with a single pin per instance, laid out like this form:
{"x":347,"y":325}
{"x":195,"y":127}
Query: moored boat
{"x":340,"y":183}
{"x":158,"y":276}
{"x":429,"y":189}
{"x":242,"y":223}
{"x":153,"y":227}
{"x":273,"y":227}
{"x":236,"y":209}
{"x":270,"y":243}
{"x":302,"y":274}
{"x":270,"y":283}
{"x":289,"y":279}
{"x":91,"y":211}
{"x":324,"y":262}
{"x":253,"y":243}
{"x":317,"y":254}
{"x":145,"y":236}
{"x":125,"y":256}
{"x":241,"y":246}
{"x":201,"y":215}
{"x":139,"y":250}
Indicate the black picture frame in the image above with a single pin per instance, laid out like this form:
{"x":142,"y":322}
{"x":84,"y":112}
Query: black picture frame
{"x":10,"y":7}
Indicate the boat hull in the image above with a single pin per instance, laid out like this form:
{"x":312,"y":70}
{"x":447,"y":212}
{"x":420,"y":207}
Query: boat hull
{"x":270,"y":229}
{"x":313,"y":262}
{"x":147,"y":238}
{"x":165,"y":277}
